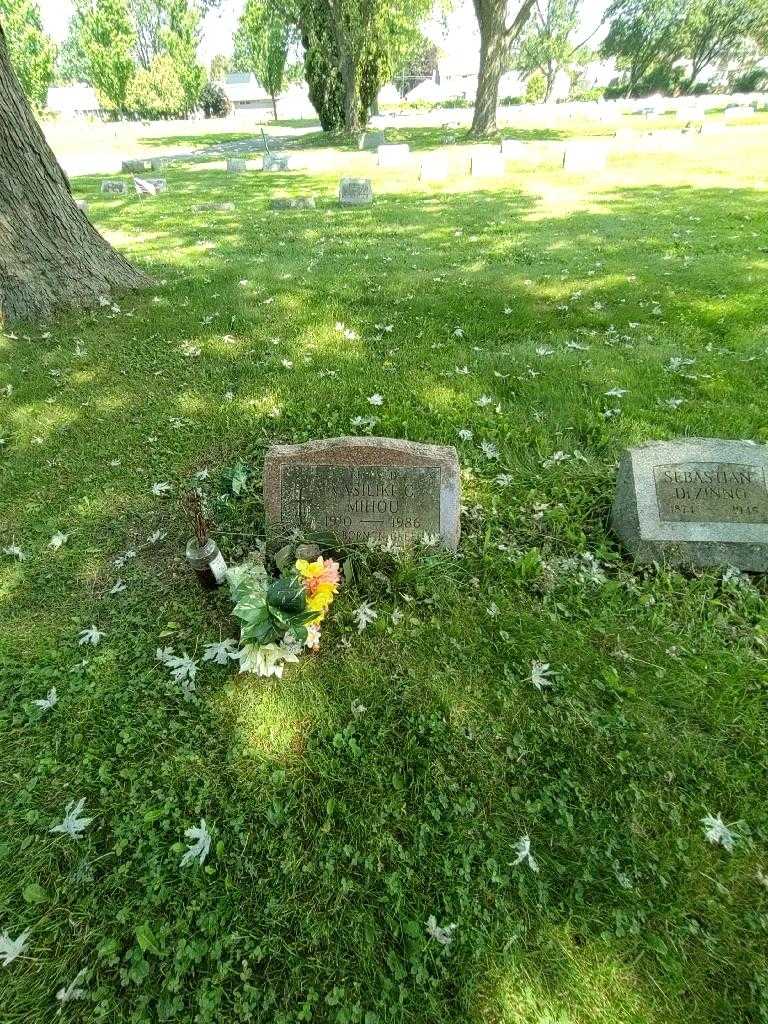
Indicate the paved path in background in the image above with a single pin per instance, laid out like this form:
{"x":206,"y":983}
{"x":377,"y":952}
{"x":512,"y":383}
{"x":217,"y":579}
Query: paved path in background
{"x":109,"y":163}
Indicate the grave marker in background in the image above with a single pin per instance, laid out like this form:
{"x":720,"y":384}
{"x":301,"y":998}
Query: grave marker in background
{"x":355,"y":192}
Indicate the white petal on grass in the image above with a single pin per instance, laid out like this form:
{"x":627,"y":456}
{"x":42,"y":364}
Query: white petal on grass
{"x":222,"y":652}
{"x":465,"y":434}
{"x":483,"y":401}
{"x":718,"y":833}
{"x":14,"y":551}
{"x":58,"y":540}
{"x":376,"y":399}
{"x":71,"y":991}
{"x":119,"y":587}
{"x":540,"y":675}
{"x":91,"y":635}
{"x":616,"y":393}
{"x":265,"y":659}
{"x":524,"y":855}
{"x":363,"y":616}
{"x":161,"y":488}
{"x":441,"y":934}
{"x":47,"y":702}
{"x":201,"y":844}
{"x":156,"y":537}
{"x":358,"y":709}
{"x":11,"y":948}
{"x":489,"y":450}
{"x":73,"y":825}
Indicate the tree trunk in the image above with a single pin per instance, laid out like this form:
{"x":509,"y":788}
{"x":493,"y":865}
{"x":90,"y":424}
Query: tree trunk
{"x":351,"y":94}
{"x":274,"y":105}
{"x":496,"y":39}
{"x":51,"y":257}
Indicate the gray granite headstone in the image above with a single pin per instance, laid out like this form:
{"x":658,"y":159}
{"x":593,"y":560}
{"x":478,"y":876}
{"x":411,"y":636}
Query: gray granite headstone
{"x":370,"y":140}
{"x":364,"y":487}
{"x":135,"y":166}
{"x":213,"y":207}
{"x":158,"y":163}
{"x":235,"y":165}
{"x":434,"y":167}
{"x":355,"y":192}
{"x":487,"y":163}
{"x":115,"y":187}
{"x":695,"y":501}
{"x":273,"y":162}
{"x":292,"y":203}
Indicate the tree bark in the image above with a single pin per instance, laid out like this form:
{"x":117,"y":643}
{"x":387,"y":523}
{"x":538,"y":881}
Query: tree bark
{"x":51,"y":256}
{"x":496,"y":39}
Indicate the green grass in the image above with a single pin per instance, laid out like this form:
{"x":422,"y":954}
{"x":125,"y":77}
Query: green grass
{"x":335,"y":837}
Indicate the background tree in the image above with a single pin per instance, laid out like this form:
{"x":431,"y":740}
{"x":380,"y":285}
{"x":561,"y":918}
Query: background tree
{"x":547,"y":43}
{"x":51,"y":256}
{"x":263,"y":39}
{"x":717,"y":31}
{"x":645,"y":37}
{"x":156,"y":91}
{"x":220,"y":67}
{"x":32,"y":52}
{"x":498,"y":34}
{"x":100,"y":49}
{"x":414,"y":61}
{"x":350,"y":47}
{"x":180,"y":39}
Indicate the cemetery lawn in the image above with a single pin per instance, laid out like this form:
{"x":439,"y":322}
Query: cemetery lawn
{"x":557,"y":317}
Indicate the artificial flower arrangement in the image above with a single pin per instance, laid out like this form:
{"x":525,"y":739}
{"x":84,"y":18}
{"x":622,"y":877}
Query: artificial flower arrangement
{"x":281,"y":617}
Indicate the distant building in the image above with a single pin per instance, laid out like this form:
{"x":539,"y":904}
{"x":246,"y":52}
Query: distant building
{"x":77,"y":100}
{"x":244,"y":92}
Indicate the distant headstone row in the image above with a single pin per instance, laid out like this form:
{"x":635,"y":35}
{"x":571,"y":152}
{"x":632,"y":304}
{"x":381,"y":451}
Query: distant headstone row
{"x":269,"y":162}
{"x":695,"y":501}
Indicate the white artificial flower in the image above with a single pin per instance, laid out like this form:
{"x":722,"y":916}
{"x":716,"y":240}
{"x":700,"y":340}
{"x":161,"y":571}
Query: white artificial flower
{"x":430,"y":540}
{"x":396,"y":616}
{"x":364,"y":423}
{"x":71,"y":991}
{"x":443,"y":935}
{"x":221,"y":652}
{"x":575,"y":346}
{"x":489,"y":450}
{"x":57,"y":540}
{"x":157,"y":536}
{"x":504,"y":479}
{"x":312,"y":642}
{"x":14,"y":551}
{"x":376,"y":399}
{"x":73,"y":825}
{"x":162,"y":654}
{"x":762,"y":878}
{"x":358,"y":709}
{"x":286,"y":364}
{"x":11,"y":948}
{"x":542,"y":350}
{"x":540,"y":674}
{"x":363,"y":615}
{"x":492,"y":610}
{"x":265,"y":659}
{"x":672,"y":403}
{"x":523,"y":851}
{"x":458,"y":333}
{"x":202,"y":474}
{"x":92,"y":635}
{"x":718,"y":833}
{"x":202,"y":843}
{"x":484,"y":400}
{"x":616,"y":393}
{"x":465,"y":434}
{"x":161,"y":488}
{"x":48,"y":701}
{"x":118,"y":588}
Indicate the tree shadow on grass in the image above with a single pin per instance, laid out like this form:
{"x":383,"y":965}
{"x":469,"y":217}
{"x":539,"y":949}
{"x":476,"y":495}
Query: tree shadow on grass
{"x":340,"y":833}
